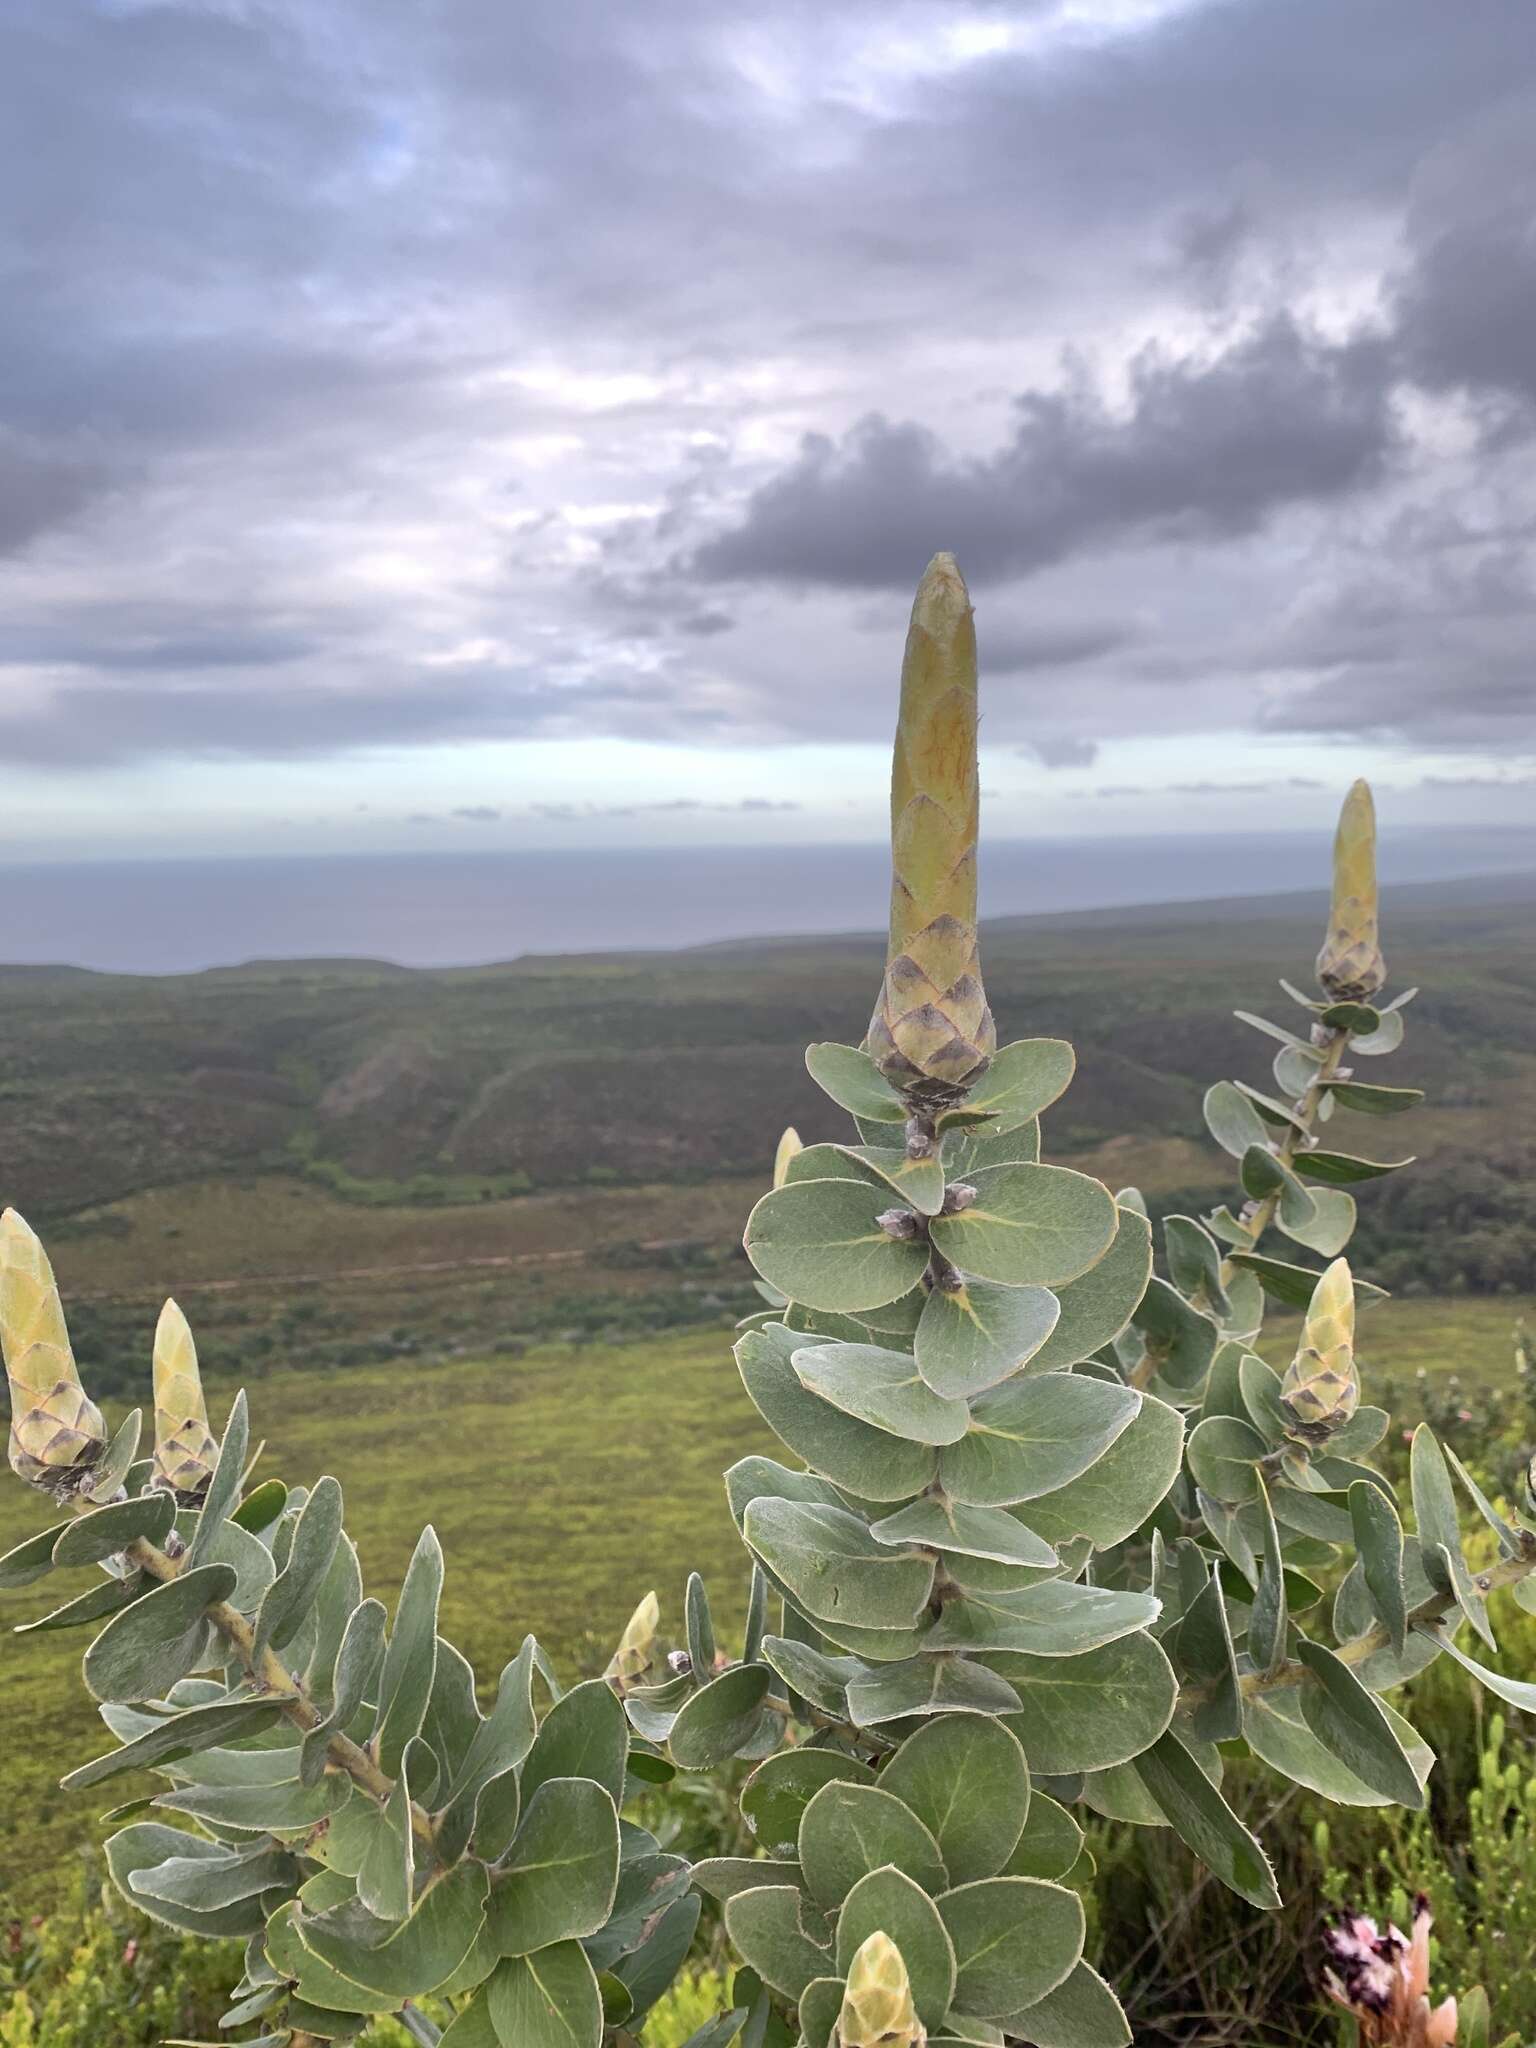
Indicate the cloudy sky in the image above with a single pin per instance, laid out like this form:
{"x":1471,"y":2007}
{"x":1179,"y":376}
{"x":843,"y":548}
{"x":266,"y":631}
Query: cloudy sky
{"x":449,"y":423}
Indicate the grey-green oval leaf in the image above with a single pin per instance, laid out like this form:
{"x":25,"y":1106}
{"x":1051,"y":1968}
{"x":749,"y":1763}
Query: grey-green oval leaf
{"x":821,"y":1242}
{"x":143,"y":1651}
{"x":1029,"y":1226}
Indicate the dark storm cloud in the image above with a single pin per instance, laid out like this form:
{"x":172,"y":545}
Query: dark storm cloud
{"x":1204,"y":449}
{"x":338,"y":340}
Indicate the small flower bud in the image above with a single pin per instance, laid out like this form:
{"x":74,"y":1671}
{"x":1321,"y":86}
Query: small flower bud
{"x":632,"y":1659}
{"x":877,"y":2007}
{"x":899,"y":1223}
{"x":1321,"y":1388}
{"x":57,"y":1433}
{"x":679,"y":1663}
{"x":957,"y":1196}
{"x":789,"y":1145}
{"x":1350,"y":967}
{"x":185,"y":1448}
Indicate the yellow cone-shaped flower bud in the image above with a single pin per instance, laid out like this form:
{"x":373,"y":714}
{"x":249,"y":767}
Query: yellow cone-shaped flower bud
{"x":185,"y":1448}
{"x":877,"y":2000}
{"x":1350,"y":967}
{"x":932,"y":1033}
{"x":789,"y":1145}
{"x":57,"y":1432}
{"x":632,"y":1659}
{"x":1321,"y":1388}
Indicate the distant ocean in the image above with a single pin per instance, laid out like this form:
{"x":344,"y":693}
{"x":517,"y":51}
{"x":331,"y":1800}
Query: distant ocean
{"x":446,"y":910}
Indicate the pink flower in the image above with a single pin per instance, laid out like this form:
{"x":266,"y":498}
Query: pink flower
{"x":1383,"y":1979}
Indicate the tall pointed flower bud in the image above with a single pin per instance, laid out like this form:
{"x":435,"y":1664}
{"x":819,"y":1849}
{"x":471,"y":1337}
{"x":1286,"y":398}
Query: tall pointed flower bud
{"x":877,"y":2000}
{"x":932,"y":1032}
{"x":185,"y":1447}
{"x":1350,"y":967}
{"x":57,"y":1432}
{"x":1321,"y":1388}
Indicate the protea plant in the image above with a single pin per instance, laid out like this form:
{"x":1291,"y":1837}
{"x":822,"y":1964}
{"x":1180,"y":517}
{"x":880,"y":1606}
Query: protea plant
{"x":1381,"y":1977}
{"x":1044,"y":1541}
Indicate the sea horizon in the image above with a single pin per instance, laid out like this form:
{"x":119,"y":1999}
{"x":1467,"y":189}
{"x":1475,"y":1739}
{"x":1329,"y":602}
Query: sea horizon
{"x":441,"y":910}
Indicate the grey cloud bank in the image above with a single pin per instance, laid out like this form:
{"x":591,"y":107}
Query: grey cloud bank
{"x":378,"y":377}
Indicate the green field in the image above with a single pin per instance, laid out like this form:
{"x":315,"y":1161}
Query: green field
{"x":564,"y":1484}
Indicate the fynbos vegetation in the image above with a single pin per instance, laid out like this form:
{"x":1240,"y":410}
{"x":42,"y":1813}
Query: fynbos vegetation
{"x":1050,"y":1535}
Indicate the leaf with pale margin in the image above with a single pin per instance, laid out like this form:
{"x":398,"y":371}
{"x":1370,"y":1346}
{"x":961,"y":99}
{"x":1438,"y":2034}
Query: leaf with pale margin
{"x":965,"y":1777}
{"x":848,"y":1830}
{"x":1204,"y":1654}
{"x":546,"y":2000}
{"x":821,"y":1680}
{"x":888,"y":1903}
{"x":1203,"y":1820}
{"x":882,"y":1388}
{"x":1379,"y":1544}
{"x":178,"y":1735}
{"x":1275,"y":1730}
{"x":947,"y":1526}
{"x":868,"y":1462}
{"x":1114,"y":1497}
{"x":1015,"y":1939}
{"x":1224,"y":1457}
{"x":423,"y":1953}
{"x":928,"y":1685}
{"x":854,"y":1082}
{"x":1089,"y":1712}
{"x":1439,"y":1532}
{"x":1180,"y":1341}
{"x":1352,"y":1725}
{"x":919,"y":1182}
{"x":1051,"y":1842}
{"x":766,"y":1931}
{"x":1053,"y":1619}
{"x":1029,"y":1226}
{"x":1022,"y":1079}
{"x":1098,"y":1306}
{"x":315,"y":1537}
{"x":1269,"y":1617}
{"x":775,"y":1797}
{"x":116,"y":1461}
{"x":582,"y":1736}
{"x":1033,"y":1435}
{"x":357,"y":1666}
{"x":715,"y":1723}
{"x":146,"y":1845}
{"x":1330,"y":1226}
{"x":106,"y":1531}
{"x":142,"y":1651}
{"x":1081,"y":2013}
{"x":976,"y":1333}
{"x":1515,"y":1692}
{"x":833,"y":1566}
{"x":410,"y":1661}
{"x":821,"y":1242}
{"x":224,"y":1487}
{"x":559,"y":1882}
{"x":1232,"y":1119}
